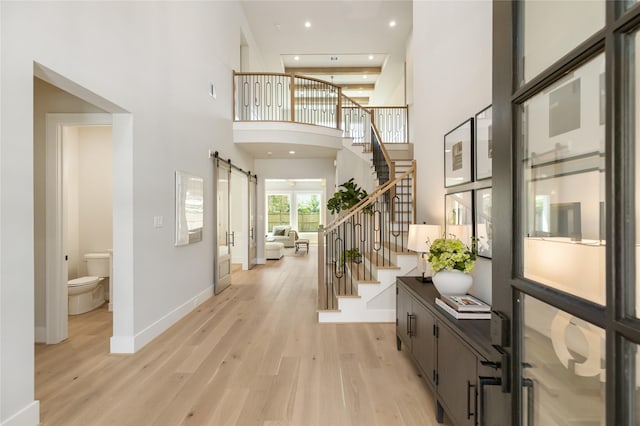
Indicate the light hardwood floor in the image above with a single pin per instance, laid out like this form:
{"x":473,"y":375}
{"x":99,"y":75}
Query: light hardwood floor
{"x":253,"y":355}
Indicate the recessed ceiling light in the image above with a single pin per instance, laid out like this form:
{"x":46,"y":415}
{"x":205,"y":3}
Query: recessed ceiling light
{"x":269,"y":153}
{"x":392,"y":23}
{"x":307,"y":24}
{"x":365,"y":77}
{"x":296,"y":58}
{"x":292,"y":152}
{"x":371,"y":57}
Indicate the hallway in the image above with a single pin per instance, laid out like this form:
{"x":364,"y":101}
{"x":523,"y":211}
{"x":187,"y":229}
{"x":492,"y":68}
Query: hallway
{"x":253,"y":355}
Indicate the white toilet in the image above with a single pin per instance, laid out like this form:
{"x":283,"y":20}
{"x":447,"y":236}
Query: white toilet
{"x":88,"y":293}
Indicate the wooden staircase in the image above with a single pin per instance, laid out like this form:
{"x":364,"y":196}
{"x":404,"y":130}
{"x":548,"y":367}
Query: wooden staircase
{"x":366,"y":291}
{"x":362,"y":289}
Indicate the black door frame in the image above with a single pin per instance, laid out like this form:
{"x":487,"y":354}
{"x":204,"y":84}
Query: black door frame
{"x":508,"y":283}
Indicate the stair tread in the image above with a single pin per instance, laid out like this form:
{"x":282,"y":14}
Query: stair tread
{"x":388,"y":266}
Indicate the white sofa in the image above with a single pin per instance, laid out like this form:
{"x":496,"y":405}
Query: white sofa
{"x":283,"y":234}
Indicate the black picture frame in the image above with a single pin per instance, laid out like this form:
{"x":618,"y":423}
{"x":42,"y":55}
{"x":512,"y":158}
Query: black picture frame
{"x":459,"y":216}
{"x":483,"y":141}
{"x":483,"y":221}
{"x":458,"y":154}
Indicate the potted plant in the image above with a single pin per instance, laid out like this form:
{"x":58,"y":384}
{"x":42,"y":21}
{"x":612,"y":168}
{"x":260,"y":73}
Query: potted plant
{"x":452,"y":261}
{"x":353,"y":255}
{"x":346,"y":198}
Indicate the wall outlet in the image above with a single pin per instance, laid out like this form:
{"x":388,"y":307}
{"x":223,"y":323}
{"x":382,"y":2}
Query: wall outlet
{"x":157,"y":221}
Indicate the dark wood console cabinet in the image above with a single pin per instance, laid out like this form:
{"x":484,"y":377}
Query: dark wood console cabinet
{"x":455,"y":357}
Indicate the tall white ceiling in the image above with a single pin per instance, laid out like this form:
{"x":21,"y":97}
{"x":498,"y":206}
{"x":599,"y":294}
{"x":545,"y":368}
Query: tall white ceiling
{"x":349,"y":31}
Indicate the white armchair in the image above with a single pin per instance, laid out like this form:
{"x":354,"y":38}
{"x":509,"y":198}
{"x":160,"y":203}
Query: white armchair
{"x":283,"y":234}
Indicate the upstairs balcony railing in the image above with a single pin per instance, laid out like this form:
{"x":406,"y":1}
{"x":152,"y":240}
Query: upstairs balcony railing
{"x":299,"y":99}
{"x":392,"y":123}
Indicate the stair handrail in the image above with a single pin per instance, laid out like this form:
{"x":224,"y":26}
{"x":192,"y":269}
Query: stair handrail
{"x":385,"y":154}
{"x":381,"y":189}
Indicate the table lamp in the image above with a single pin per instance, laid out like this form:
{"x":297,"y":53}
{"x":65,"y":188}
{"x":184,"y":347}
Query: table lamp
{"x":420,"y":239}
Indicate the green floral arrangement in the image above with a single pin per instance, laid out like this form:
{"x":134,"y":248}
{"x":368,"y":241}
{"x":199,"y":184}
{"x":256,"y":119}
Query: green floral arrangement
{"x":450,"y":254}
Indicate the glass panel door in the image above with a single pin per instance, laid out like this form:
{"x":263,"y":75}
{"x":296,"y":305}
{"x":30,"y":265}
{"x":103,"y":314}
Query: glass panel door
{"x":565,"y":177}
{"x":550,"y":29}
{"x":563,"y":172}
{"x":224,"y":236}
{"x":563,"y":359}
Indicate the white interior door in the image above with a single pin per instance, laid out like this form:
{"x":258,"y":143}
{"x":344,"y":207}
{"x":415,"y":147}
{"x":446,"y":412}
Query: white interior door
{"x":224,"y":235}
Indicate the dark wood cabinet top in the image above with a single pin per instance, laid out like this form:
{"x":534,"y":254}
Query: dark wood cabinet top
{"x":475,"y":333}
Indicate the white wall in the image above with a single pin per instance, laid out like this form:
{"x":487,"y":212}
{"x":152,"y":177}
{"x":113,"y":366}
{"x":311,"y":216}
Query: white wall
{"x":87,"y":194}
{"x":351,"y":165}
{"x":451,"y":82}
{"x":156,"y":61}
{"x":389,"y":90}
{"x":289,"y":169}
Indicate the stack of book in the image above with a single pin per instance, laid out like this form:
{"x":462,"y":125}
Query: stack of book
{"x":464,"y":307}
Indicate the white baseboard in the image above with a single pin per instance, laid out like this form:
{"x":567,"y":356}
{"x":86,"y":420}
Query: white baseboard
{"x":41,"y":335}
{"x":28,"y":416}
{"x":122,"y":345}
{"x":132,"y":344}
{"x":261,"y":261}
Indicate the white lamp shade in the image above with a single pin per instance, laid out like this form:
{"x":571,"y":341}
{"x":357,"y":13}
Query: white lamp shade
{"x":421,"y":237}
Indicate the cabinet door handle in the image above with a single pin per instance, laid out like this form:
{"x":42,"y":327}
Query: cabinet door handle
{"x":469,"y":386}
{"x":412,"y":331}
{"x":486,"y":381}
{"x":408,"y":325}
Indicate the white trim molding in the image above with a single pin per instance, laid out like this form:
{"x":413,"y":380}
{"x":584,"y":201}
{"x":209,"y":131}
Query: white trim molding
{"x":132,"y":344}
{"x":28,"y":416}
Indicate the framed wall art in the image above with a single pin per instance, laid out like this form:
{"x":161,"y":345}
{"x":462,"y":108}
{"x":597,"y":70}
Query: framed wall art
{"x":457,"y":155}
{"x":459,"y":216}
{"x":483,"y":144}
{"x":483,"y":222}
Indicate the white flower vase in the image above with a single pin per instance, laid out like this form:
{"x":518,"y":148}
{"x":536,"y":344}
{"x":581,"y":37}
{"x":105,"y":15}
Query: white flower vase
{"x":452,"y":282}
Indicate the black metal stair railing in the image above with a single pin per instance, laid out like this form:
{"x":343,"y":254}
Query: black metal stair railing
{"x":364,"y":239}
{"x":381,"y":162}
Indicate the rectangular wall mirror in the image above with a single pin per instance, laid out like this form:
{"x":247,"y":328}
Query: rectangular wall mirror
{"x":189,"y":208}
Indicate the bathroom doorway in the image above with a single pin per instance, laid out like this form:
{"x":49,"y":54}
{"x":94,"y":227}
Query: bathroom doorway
{"x":58,"y":102}
{"x":78,"y":217}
